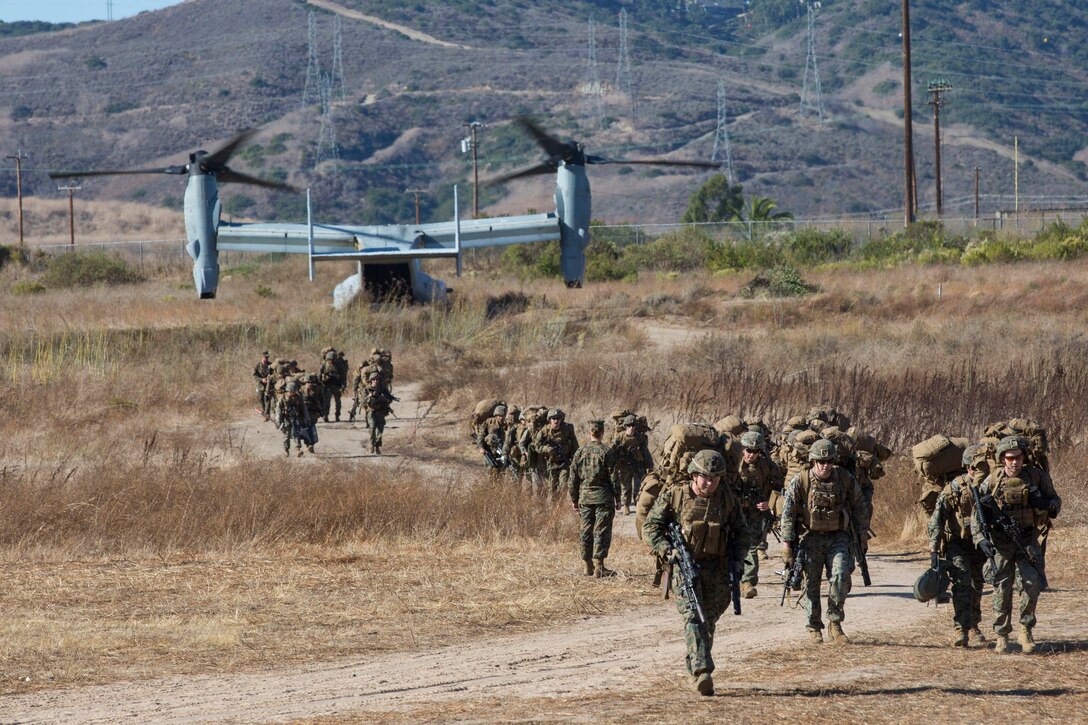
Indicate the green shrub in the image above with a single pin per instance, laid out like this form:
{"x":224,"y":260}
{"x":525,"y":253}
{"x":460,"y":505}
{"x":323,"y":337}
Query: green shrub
{"x":27,"y":287}
{"x":264,"y":291}
{"x":84,"y":269}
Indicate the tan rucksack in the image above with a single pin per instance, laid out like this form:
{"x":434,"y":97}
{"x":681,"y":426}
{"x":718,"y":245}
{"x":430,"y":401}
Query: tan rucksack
{"x":683,"y":442}
{"x":937,"y":460}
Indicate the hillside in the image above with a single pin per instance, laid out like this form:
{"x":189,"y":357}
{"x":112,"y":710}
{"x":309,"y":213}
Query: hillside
{"x":145,"y":91}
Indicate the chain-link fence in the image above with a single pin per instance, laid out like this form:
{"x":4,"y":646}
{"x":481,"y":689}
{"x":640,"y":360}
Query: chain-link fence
{"x":147,"y":255}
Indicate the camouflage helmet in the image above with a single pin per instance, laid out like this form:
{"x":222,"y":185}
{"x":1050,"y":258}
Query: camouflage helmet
{"x":752,"y":440}
{"x":330,"y":355}
{"x":1010,"y":443}
{"x":556,"y":413}
{"x":374,"y":376}
{"x":264,"y":354}
{"x":311,"y":378}
{"x":822,"y":450}
{"x":500,"y":409}
{"x":629,"y":420}
{"x":292,"y":386}
{"x":708,"y":463}
{"x":969,"y":454}
{"x":927,"y":586}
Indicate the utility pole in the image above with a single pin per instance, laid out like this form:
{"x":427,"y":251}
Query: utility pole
{"x":910,"y":195}
{"x":976,"y":195}
{"x":19,"y":157}
{"x":417,"y":192}
{"x":469,"y":144}
{"x":109,"y":9}
{"x":71,"y":212}
{"x":935,"y":89}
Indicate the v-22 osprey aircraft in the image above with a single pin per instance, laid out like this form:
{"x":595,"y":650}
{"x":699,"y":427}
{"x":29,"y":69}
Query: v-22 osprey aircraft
{"x":388,"y":256}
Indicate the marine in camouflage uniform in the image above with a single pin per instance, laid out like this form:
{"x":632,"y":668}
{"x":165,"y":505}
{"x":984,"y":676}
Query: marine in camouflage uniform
{"x":821,"y":506}
{"x":757,"y":477}
{"x":332,"y":383}
{"x":1025,"y":495}
{"x":261,"y":373}
{"x":490,"y":436}
{"x":511,"y":451}
{"x":378,"y":403}
{"x":710,"y":517}
{"x":595,"y":494}
{"x":950,"y":529}
{"x":313,"y":395}
{"x":633,"y":459}
{"x":556,"y":443}
{"x":294,"y":419}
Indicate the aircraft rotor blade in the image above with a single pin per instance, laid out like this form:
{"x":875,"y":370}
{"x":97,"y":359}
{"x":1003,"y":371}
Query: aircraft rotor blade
{"x":654,"y":162}
{"x":118,"y":172}
{"x":234,"y":177}
{"x":547,"y":167}
{"x":551,"y":145}
{"x":221,"y":156}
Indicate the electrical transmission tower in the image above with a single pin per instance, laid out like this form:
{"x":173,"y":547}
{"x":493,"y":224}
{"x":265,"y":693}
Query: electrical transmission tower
{"x":593,"y":109}
{"x":624,"y":82}
{"x":312,"y":90}
{"x":810,"y":92}
{"x":338,"y":88}
{"x":722,"y":149}
{"x":109,"y":9}
{"x":326,"y":140}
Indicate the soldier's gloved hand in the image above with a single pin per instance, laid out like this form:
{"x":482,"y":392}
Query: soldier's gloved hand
{"x":1052,"y":511}
{"x":987,"y":549}
{"x":933,"y":559}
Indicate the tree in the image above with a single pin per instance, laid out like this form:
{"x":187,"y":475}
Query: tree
{"x":715,"y":201}
{"x":761,"y":209}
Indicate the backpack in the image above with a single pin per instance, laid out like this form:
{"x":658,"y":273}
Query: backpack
{"x":1031,"y":431}
{"x":683,"y":442}
{"x":938,"y":456}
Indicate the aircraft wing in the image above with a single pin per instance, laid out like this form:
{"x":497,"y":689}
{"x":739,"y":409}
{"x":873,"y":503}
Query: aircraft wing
{"x":389,"y":243}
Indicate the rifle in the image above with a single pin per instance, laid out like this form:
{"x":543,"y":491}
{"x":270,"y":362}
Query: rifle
{"x":793,"y":577}
{"x":497,"y":462}
{"x":984,"y":527}
{"x":689,"y":572}
{"x":1012,"y":532}
{"x":863,"y":563}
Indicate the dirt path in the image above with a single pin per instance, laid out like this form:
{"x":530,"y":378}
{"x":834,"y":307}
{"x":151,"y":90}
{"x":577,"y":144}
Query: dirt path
{"x":403,"y":30}
{"x":598,"y":654}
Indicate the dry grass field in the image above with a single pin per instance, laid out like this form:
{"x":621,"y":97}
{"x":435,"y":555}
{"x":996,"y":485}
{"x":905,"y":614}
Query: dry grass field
{"x":141,"y":537}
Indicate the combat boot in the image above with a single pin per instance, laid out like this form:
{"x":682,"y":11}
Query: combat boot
{"x":599,"y":569}
{"x":816,"y":636}
{"x":627,"y":509}
{"x":834,"y":630}
{"x":1001,"y":646}
{"x":704,"y":683}
{"x":337,"y":419}
{"x":747,"y":590}
{"x":1027,"y":642}
{"x":960,"y":640}
{"x":589,"y":567}
{"x":299,"y":454}
{"x":977,"y":634}
{"x":287,"y":452}
{"x":310,"y":448}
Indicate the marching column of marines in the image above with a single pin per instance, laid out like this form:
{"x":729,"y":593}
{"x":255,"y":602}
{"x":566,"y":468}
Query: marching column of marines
{"x":707,"y":502}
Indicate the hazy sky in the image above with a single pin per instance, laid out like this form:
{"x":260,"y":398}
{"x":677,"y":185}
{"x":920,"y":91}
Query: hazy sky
{"x":75,"y":11}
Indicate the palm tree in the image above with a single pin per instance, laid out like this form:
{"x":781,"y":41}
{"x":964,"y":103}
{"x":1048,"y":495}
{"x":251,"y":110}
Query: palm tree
{"x":762,"y":209}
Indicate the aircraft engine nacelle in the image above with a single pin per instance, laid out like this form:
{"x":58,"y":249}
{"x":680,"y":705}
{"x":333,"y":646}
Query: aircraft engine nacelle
{"x":573,"y":207}
{"x":202,"y":208}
